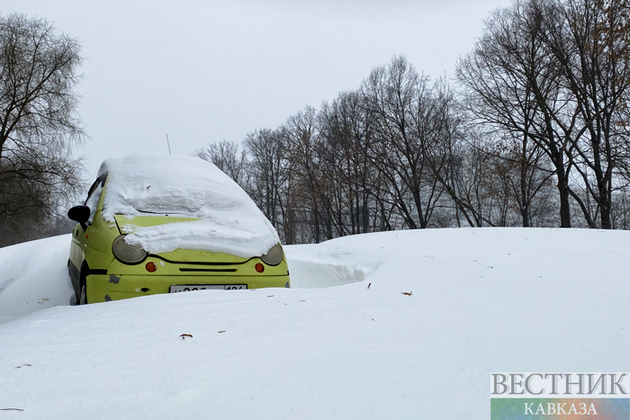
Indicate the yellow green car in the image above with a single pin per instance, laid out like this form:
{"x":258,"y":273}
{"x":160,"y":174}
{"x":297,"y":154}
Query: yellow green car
{"x":169,"y":224}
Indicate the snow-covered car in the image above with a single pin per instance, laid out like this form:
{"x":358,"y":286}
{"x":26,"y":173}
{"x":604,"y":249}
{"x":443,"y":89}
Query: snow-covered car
{"x":166,"y":224}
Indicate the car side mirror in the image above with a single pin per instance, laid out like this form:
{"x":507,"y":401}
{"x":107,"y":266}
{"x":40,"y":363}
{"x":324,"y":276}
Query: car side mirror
{"x":80,"y":214}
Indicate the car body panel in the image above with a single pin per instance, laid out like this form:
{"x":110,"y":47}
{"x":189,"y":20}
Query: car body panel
{"x":226,"y":265}
{"x":91,"y":247}
{"x":106,"y":287}
{"x":128,"y":224}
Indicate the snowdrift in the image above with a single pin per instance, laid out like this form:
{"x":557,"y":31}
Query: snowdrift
{"x":397,"y":325}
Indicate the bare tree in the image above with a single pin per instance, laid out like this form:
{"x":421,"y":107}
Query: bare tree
{"x":401,"y":100}
{"x":591,"y":45}
{"x":227,"y":157}
{"x":310,"y":190}
{"x":38,"y":123}
{"x":513,"y":83}
{"x":345,"y":130}
{"x":458,"y":160}
{"x":270,"y":179}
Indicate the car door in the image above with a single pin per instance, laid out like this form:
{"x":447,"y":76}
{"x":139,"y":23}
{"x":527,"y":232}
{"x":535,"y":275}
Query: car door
{"x":80,"y":234}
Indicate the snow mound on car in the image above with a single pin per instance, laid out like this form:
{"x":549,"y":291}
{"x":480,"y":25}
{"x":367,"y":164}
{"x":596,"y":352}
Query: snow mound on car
{"x":185,"y":186}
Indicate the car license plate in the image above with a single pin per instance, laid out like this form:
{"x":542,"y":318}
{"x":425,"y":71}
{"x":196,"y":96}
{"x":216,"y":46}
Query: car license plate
{"x":176,"y":288}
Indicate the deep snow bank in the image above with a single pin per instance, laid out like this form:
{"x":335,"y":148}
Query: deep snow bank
{"x":444,"y":309}
{"x":34,"y":276}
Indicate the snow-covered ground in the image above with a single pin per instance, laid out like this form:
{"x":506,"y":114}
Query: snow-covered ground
{"x":396,"y":325}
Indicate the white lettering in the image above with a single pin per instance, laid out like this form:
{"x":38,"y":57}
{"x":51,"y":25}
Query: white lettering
{"x":582,"y":409}
{"x":574,"y":409}
{"x":561,"y":409}
{"x":528,"y":409}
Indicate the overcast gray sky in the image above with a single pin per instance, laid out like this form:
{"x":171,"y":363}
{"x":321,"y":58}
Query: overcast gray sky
{"x":205,"y":71}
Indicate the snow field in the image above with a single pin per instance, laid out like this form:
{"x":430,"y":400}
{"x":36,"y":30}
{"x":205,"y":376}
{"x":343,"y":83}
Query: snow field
{"x":400,"y":325}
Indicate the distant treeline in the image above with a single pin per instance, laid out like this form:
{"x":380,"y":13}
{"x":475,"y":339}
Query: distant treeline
{"x":533,"y":132}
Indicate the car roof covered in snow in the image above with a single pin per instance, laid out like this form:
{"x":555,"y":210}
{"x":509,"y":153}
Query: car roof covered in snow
{"x":184,"y":186}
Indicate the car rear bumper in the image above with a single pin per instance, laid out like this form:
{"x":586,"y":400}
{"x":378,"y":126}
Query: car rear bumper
{"x":106,"y":287}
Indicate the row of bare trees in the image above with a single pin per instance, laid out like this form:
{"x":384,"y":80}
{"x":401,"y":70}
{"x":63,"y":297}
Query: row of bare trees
{"x":534,"y":132}
{"x":552,"y":78}
{"x":397,"y":153}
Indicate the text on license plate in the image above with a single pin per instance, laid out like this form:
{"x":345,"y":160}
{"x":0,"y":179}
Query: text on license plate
{"x":176,"y":288}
